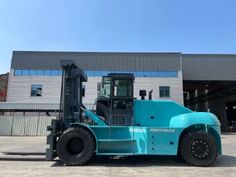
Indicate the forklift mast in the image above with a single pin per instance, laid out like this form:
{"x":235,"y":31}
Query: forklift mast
{"x":72,"y":92}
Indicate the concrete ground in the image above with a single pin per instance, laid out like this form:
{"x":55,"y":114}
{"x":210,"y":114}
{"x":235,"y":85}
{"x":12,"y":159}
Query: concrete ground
{"x":25,"y":157}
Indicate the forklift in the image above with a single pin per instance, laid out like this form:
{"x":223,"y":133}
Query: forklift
{"x":126,"y":126}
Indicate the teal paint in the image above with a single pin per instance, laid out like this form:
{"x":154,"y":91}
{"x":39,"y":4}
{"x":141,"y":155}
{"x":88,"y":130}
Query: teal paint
{"x":95,"y":118}
{"x":156,"y":113}
{"x":186,"y":120}
{"x":156,"y":131}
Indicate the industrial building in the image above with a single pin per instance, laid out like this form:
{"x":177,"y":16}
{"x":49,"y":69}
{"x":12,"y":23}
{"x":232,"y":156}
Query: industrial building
{"x":203,"y":82}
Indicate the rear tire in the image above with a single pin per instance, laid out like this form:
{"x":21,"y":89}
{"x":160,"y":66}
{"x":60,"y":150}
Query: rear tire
{"x":198,"y":149}
{"x":75,"y":146}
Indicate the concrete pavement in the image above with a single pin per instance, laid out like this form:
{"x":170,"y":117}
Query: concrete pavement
{"x":25,"y":157}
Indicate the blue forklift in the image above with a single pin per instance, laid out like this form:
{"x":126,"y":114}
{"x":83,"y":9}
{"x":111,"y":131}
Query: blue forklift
{"x":125,"y":126}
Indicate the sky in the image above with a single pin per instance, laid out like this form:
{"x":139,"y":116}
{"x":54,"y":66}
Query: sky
{"x":187,"y":26}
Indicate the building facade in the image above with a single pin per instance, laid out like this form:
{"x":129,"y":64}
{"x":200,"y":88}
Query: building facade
{"x":209,"y":84}
{"x":35,"y":77}
{"x":202,"y":82}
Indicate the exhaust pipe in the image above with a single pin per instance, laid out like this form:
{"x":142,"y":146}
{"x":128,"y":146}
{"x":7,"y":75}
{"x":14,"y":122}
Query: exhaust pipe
{"x":150,"y":94}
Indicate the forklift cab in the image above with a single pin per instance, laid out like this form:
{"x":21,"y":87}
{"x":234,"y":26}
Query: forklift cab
{"x":115,"y":99}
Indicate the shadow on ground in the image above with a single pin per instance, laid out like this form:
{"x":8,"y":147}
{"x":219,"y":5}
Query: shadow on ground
{"x":145,"y":161}
{"x":22,"y":156}
{"x":24,"y":153}
{"x":225,"y":161}
{"x":130,"y":161}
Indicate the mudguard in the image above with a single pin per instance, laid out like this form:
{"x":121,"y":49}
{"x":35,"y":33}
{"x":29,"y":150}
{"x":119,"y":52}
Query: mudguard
{"x":188,"y":119}
{"x":209,"y":120}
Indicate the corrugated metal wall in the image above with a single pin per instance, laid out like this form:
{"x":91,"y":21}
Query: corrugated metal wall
{"x":24,"y":125}
{"x":6,"y":125}
{"x":207,"y":67}
{"x":98,"y":60}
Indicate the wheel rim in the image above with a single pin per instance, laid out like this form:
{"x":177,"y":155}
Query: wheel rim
{"x":200,"y":149}
{"x":75,"y":146}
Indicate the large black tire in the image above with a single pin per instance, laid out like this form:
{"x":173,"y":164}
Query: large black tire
{"x":198,"y":149}
{"x":75,"y":146}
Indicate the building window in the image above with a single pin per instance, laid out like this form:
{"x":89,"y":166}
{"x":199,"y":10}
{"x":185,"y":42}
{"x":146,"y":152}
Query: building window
{"x":47,"y":73}
{"x":39,"y":72}
{"x":54,"y":73}
{"x":18,"y":72}
{"x":32,"y":72}
{"x":25,"y":72}
{"x":36,"y":90}
{"x":164,"y":91}
{"x":90,"y":73}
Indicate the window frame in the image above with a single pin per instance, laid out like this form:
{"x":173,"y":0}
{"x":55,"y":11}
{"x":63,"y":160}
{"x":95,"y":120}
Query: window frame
{"x":164,"y":90}
{"x":118,"y":88}
{"x":40,"y":87}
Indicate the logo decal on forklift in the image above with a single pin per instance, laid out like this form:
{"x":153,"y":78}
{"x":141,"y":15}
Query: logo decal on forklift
{"x":137,"y":130}
{"x":162,"y":130}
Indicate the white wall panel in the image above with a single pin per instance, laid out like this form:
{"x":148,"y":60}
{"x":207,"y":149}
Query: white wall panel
{"x":44,"y":121}
{"x":5,"y":125}
{"x":24,"y":125}
{"x":31,"y":128}
{"x":18,"y":126}
{"x":20,"y":87}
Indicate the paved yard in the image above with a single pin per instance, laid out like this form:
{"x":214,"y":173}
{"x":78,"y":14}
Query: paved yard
{"x":24,"y":157}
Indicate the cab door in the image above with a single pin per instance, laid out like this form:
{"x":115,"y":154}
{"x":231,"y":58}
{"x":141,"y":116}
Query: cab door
{"x":121,"y":102}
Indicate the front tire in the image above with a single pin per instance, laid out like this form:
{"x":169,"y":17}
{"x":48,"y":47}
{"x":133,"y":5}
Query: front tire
{"x":75,"y":146}
{"x":198,"y":149}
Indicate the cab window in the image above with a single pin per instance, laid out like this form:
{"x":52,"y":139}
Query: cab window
{"x":122,"y":88}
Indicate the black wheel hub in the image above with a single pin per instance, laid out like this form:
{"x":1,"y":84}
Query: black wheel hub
{"x":200,"y":149}
{"x":75,"y":146}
